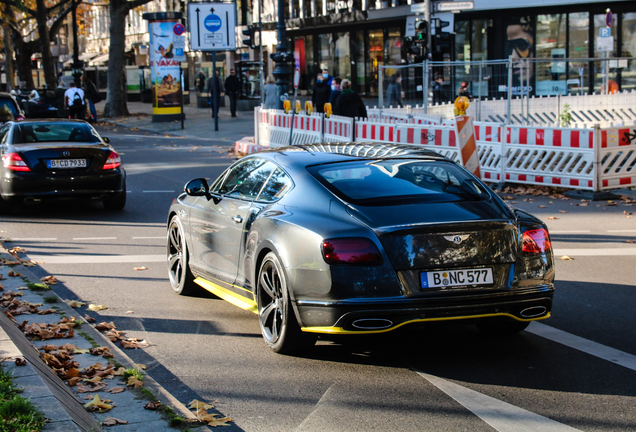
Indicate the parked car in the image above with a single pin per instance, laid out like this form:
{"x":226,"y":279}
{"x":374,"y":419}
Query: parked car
{"x":38,"y":103}
{"x":9,"y":108}
{"x":51,"y":159}
{"x":356,"y":239}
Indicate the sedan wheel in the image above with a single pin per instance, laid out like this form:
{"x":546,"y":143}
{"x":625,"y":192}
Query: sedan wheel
{"x":278,"y":322}
{"x":181,"y":278}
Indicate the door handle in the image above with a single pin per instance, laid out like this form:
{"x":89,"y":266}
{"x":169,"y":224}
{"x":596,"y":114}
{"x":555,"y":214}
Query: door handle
{"x":237,"y":219}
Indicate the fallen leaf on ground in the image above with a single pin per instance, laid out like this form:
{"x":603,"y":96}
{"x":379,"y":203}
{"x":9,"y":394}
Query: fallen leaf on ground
{"x":222,"y":421}
{"x":115,"y":390}
{"x":74,"y":303}
{"x":129,"y":312}
{"x":152,"y":405}
{"x":583,"y":204}
{"x":49,"y":280}
{"x":198,"y":405}
{"x":103,"y":326}
{"x":552,"y":218}
{"x":112,"y":421}
{"x":97,"y":404}
{"x":20,"y":362}
{"x":629,"y":241}
{"x":133,"y":344}
{"x":96,"y":308}
{"x":134,"y":381}
{"x":140,"y":268}
{"x":14,"y":274}
{"x":566,"y":258}
{"x":562,"y":211}
{"x":89,"y":318}
{"x":542,"y":206}
{"x":141,"y":366}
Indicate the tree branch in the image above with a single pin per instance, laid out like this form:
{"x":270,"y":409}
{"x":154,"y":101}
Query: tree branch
{"x":57,"y":5}
{"x":20,"y":6}
{"x":135,"y":3}
{"x":59,"y":21}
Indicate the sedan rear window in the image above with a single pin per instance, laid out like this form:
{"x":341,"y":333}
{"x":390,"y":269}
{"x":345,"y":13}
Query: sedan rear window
{"x":373,"y":182}
{"x":54,"y":132}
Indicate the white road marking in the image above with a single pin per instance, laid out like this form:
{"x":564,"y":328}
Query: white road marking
{"x":137,"y":238}
{"x":34,"y":239}
{"x":159,"y":191}
{"x":597,"y":252}
{"x":587,"y":346}
{"x":95,"y":238}
{"x":619,"y":231}
{"x":318,"y":413}
{"x":502,"y":416}
{"x":97,"y":259}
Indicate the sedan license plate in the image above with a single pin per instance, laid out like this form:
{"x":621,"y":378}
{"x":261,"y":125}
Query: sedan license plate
{"x":67,"y":163}
{"x":452,"y":278}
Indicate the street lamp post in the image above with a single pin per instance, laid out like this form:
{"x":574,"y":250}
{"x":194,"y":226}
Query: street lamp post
{"x":77,"y":63}
{"x":282,"y":58}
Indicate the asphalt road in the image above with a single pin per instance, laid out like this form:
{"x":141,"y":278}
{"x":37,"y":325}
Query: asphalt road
{"x":575,"y":371}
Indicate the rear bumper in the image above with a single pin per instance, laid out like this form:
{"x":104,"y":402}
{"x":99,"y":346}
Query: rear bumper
{"x":15,"y":187}
{"x":378,"y":316}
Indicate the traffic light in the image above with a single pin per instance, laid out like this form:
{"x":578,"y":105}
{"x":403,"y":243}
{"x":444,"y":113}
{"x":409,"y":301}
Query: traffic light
{"x":421,"y":32}
{"x":250,"y":32}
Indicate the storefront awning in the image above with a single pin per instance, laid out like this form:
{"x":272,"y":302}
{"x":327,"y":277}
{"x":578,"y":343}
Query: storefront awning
{"x":100,"y":60}
{"x":84,"y":57}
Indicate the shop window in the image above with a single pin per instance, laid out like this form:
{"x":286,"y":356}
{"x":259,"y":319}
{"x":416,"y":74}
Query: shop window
{"x":628,"y":73}
{"x":550,"y":44}
{"x":462,"y":40}
{"x":393,"y":47}
{"x":479,"y":40}
{"x":520,"y":45}
{"x":342,"y":59}
{"x":599,"y":67}
{"x":325,"y":52}
{"x":311,"y":69}
{"x":376,"y":58}
{"x":578,"y":47}
{"x":358,"y":52}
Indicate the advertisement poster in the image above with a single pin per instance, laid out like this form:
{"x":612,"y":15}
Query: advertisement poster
{"x":167,"y":43}
{"x":520,"y":45}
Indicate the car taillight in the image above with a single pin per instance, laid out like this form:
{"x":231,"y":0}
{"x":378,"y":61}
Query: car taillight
{"x":536,"y":241}
{"x":14,"y":162}
{"x":358,"y":251}
{"x":113,"y":161}
{"x":18,"y":118}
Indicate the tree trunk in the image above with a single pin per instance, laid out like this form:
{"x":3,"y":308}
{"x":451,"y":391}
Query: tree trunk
{"x":23,"y":53}
{"x":8,"y":55}
{"x":116,"y":94}
{"x":45,"y":44}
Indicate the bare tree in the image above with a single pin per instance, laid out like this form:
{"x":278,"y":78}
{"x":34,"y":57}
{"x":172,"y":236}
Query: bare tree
{"x":116,"y":95}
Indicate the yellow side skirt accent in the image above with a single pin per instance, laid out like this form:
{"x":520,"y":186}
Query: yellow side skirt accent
{"x":340,"y":330}
{"x":229,"y":296}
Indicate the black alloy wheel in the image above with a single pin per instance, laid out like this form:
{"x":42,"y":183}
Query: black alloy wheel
{"x":278,"y":322}
{"x":181,"y":279}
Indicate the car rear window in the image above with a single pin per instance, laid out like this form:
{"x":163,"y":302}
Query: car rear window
{"x":54,"y":132}
{"x":377,"y":181}
{"x":7,"y":105}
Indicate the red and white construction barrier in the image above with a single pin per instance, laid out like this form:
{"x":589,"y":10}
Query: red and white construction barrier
{"x":617,"y":157}
{"x":338,"y":129}
{"x":375,"y":131}
{"x":467,"y":144}
{"x":554,"y":137}
{"x":426,"y":135}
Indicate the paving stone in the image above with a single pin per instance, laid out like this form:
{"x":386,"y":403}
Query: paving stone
{"x":33,"y":386}
{"x":50,"y":406}
{"x":61,"y":426}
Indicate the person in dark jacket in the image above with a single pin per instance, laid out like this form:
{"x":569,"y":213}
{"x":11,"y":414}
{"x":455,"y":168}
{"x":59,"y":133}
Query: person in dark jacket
{"x":439,"y":94}
{"x":92,"y":96}
{"x":212,"y":83}
{"x":336,"y":89}
{"x":232,"y":89}
{"x":321,"y":93}
{"x":201,"y":82}
{"x":349,"y":103}
{"x":463,"y":90}
{"x":394,"y":91}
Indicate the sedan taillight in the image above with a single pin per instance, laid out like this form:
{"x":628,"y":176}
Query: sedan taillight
{"x":113,"y":161}
{"x":536,"y":241}
{"x":357,"y":251}
{"x":20,"y":117}
{"x":14,"y":162}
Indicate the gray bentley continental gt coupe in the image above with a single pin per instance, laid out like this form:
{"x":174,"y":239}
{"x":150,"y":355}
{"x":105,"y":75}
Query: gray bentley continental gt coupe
{"x":358,"y":238}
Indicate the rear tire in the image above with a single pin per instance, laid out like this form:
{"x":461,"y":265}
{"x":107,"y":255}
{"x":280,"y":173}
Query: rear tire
{"x":277,"y":319}
{"x":181,"y":278}
{"x":116,"y":201}
{"x":502,"y":327}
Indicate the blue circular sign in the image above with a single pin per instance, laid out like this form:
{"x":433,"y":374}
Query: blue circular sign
{"x":178,"y":29}
{"x":212,"y":23}
{"x":609,"y":18}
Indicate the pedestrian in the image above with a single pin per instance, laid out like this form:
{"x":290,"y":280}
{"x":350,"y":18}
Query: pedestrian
{"x":93,"y":97}
{"x":327,"y":77}
{"x":320,"y":95}
{"x":232,"y":89}
{"x":336,"y":89}
{"x":74,"y":102}
{"x":201,"y":82}
{"x":214,"y":85}
{"x":463,"y":90}
{"x":349,"y":103}
{"x":59,"y":98}
{"x":269,"y":93}
{"x":394,"y":91}
{"x":439,"y":94}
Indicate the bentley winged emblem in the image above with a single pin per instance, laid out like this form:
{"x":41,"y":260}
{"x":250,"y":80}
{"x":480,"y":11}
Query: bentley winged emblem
{"x":456,"y":238}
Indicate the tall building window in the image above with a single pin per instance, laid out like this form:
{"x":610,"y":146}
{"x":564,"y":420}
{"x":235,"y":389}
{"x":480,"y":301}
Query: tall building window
{"x":628,"y":74}
{"x":342,"y":58}
{"x":599,"y":22}
{"x":551,"y":39}
{"x":376,"y":58}
{"x":462,"y":40}
{"x":325,"y":52}
{"x":479,"y":40}
{"x":578,"y":47}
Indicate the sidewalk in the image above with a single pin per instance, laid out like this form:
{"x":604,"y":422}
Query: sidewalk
{"x":69,"y":362}
{"x":199,"y":123}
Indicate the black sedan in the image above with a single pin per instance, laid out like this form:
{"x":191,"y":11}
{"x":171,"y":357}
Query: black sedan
{"x":356,"y":239}
{"x":51,"y":159}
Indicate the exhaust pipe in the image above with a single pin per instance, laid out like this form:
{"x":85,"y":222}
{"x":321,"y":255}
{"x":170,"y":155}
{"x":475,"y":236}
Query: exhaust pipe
{"x":372,"y":324}
{"x":532,"y":312}
{"x":31,"y":200}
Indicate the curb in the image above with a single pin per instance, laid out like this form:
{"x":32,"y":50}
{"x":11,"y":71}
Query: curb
{"x":54,"y":408}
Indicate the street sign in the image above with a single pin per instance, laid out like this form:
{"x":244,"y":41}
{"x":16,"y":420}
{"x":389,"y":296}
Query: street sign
{"x":609,"y":18}
{"x":418,"y":8}
{"x":605,"y":32}
{"x":605,"y":43}
{"x":212,"y":26}
{"x":296,"y":78}
{"x":455,"y":6}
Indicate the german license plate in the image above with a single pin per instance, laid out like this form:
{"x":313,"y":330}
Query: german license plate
{"x":67,"y":163}
{"x":453,"y":278}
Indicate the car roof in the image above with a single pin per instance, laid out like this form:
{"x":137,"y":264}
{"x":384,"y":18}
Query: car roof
{"x":300,"y":156}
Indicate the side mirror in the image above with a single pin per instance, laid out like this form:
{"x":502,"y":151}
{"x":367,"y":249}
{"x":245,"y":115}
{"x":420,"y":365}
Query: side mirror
{"x":197,"y":187}
{"x":106,"y":140}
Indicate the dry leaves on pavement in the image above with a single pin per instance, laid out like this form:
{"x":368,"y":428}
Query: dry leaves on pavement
{"x":112,"y":421}
{"x":152,"y":405}
{"x":98,"y":405}
{"x":96,"y":308}
{"x":140,"y":268}
{"x":74,"y":303}
{"x":135,"y":382}
{"x":49,"y":280}
{"x":566,"y":258}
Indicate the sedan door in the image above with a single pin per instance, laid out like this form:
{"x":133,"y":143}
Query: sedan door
{"x":219,"y":225}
